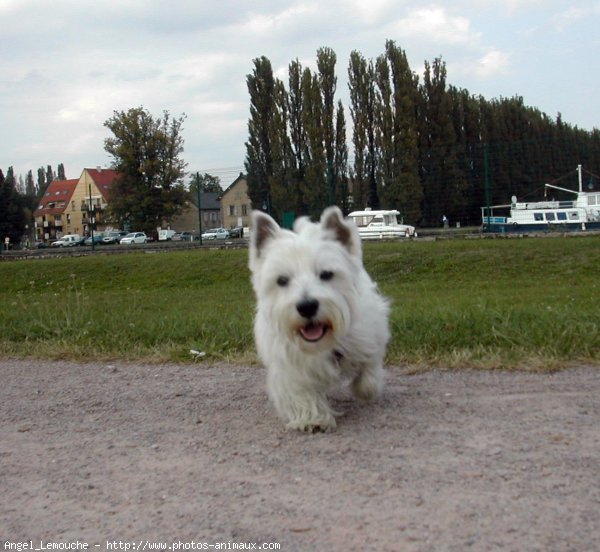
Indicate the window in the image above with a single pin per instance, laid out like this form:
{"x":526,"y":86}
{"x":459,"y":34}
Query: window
{"x":550,"y":216}
{"x":244,"y":210}
{"x":573,"y":215}
{"x":561,"y":216}
{"x":232,"y":210}
{"x":538,"y":216}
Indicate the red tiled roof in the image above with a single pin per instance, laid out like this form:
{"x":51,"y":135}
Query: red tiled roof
{"x":56,"y":197}
{"x":104,"y":179}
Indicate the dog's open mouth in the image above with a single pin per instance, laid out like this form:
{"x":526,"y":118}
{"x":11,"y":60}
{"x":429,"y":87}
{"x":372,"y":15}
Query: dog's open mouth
{"x":314,"y":331}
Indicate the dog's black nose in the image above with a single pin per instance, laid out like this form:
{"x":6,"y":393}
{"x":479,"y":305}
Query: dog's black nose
{"x":307,"y":308}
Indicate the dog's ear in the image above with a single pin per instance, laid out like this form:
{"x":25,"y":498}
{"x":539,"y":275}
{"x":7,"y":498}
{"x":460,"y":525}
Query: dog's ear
{"x":263,"y":228}
{"x":342,"y":230}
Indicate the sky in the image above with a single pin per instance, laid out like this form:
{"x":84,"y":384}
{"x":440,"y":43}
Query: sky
{"x":67,"y":65}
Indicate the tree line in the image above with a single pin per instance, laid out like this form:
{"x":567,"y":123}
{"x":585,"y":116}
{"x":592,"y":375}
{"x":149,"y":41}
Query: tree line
{"x":419,"y":144}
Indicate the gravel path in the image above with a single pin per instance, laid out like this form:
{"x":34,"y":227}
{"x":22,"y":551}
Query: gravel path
{"x":127,"y":455}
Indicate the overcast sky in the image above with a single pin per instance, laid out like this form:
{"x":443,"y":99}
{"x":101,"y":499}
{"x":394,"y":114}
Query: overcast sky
{"x":67,"y":65}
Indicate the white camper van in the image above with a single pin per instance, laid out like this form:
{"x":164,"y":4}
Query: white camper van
{"x":68,"y":240}
{"x":166,"y":235}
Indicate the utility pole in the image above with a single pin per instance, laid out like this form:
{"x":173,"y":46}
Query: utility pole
{"x":199,"y":207}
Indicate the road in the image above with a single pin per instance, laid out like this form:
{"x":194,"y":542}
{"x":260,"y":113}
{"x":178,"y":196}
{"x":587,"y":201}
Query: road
{"x":442,"y":461}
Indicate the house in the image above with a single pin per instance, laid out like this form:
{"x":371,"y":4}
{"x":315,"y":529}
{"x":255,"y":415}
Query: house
{"x":69,"y":206}
{"x":90,"y":200}
{"x":52,"y":220}
{"x":187,"y":220}
{"x":235,"y":204}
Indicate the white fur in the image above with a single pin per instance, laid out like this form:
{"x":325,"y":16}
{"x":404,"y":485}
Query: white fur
{"x":319,"y":262}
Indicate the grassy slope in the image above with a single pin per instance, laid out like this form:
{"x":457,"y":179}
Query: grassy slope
{"x":484,"y":303}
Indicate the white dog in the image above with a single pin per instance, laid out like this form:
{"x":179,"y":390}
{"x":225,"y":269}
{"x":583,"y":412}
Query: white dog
{"x":320,"y":320}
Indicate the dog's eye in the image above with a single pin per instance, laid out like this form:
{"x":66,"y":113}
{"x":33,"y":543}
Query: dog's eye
{"x":283,"y":281}
{"x":326,"y":275}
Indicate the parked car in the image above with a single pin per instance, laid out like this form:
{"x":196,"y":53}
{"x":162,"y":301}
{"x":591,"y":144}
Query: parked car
{"x":97,"y":239}
{"x":237,"y":232}
{"x":216,"y":234}
{"x":134,"y":237}
{"x":69,"y":240}
{"x":114,"y":236}
{"x":186,"y":236}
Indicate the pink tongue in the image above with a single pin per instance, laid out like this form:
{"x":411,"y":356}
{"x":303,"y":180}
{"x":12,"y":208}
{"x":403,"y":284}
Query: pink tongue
{"x":313,"y":332}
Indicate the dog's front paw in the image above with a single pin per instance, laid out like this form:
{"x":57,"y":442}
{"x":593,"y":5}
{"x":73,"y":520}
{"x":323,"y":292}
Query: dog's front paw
{"x":368,"y":384}
{"x":323,"y":424}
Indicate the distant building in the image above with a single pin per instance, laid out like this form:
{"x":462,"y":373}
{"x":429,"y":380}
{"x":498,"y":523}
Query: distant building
{"x":68,"y":206}
{"x":187,"y":221}
{"x":51,"y":217}
{"x":235,"y":204}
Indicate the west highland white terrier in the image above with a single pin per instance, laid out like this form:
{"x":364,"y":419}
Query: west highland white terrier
{"x":320,"y":320}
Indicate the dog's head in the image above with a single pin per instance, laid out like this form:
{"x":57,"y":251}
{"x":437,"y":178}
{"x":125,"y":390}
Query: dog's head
{"x":306,"y":281}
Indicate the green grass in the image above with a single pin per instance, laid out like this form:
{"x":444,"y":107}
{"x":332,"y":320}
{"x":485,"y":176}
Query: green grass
{"x":530,"y":303}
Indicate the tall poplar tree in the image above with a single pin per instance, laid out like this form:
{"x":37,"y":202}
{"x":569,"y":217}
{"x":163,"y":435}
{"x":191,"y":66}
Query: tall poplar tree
{"x":362,"y":108}
{"x":259,"y":154}
{"x":326,"y":60}
{"x":340,"y":163}
{"x":438,"y":157}
{"x":403,"y":188}
{"x":314,"y":185}
{"x":49,"y":178}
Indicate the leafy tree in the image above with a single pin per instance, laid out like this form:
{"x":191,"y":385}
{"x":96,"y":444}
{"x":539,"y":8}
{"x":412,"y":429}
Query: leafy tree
{"x":61,"y":171}
{"x":146,"y":152}
{"x":206,"y":182}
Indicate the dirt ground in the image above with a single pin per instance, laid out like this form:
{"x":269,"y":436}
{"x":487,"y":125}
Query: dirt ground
{"x":127,"y":456}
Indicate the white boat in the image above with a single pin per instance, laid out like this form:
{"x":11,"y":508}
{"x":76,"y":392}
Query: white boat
{"x":583,"y":213}
{"x":381,"y":225}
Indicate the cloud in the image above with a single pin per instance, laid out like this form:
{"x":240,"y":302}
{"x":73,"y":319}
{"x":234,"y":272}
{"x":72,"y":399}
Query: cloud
{"x":436,"y":24}
{"x":262,"y":23}
{"x":493,"y":63}
{"x":573,"y":15}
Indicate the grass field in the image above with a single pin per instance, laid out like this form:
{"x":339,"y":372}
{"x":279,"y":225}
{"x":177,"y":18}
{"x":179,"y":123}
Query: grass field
{"x":530,"y":303}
